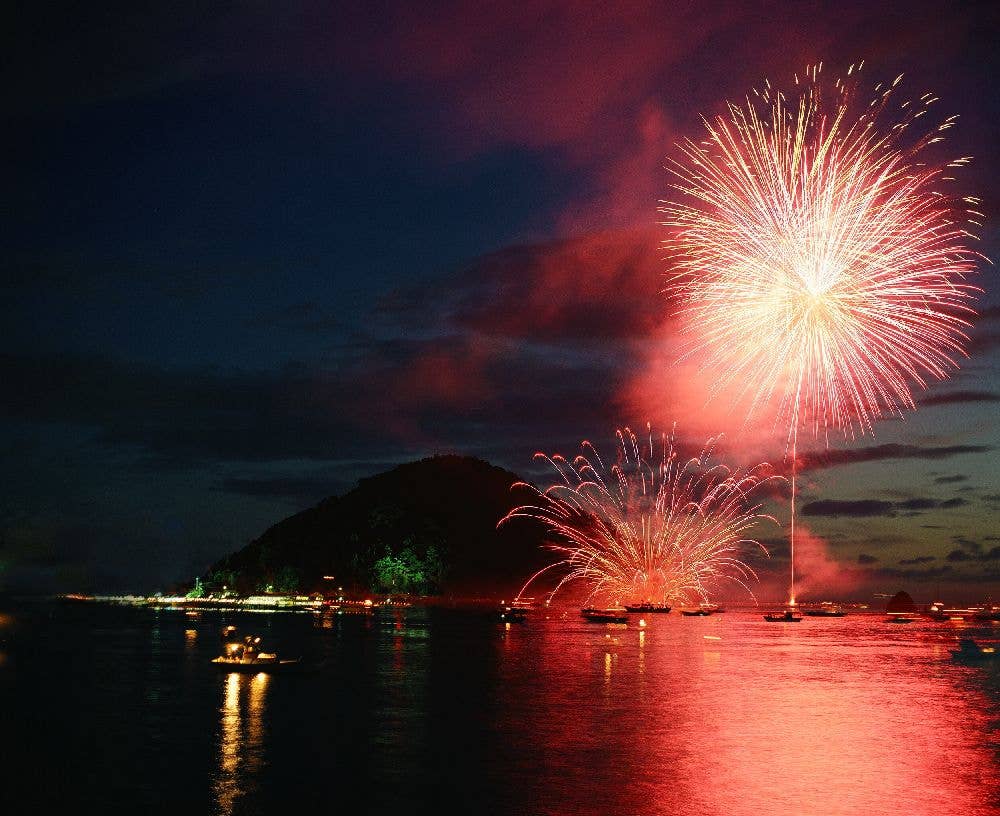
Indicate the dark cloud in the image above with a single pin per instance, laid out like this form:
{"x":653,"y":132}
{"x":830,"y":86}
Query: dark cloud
{"x":860,"y":509}
{"x":864,"y":558}
{"x":596,"y":287}
{"x":958,"y":397}
{"x":912,"y":574}
{"x":52,"y":556}
{"x":972,"y":551}
{"x":307,"y":317}
{"x":967,"y":544}
{"x":193,"y":414}
{"x":302,"y":489}
{"x":878,"y":453}
{"x":386,"y":400}
{"x":871,"y":507}
{"x":920,"y":559}
{"x":917,"y":504}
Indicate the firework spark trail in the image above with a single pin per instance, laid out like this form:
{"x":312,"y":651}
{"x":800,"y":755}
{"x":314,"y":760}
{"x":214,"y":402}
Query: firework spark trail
{"x":651,"y":528}
{"x":817,"y":262}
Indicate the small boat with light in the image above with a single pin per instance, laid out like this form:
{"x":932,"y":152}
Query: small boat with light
{"x":612,"y":615}
{"x":646,"y":606}
{"x":696,"y":613}
{"x":263,"y":662}
{"x":825,"y":611}
{"x":899,"y":619}
{"x":513,"y":613}
{"x":969,"y":651}
{"x":783,"y":617}
{"x":987,"y":612}
{"x":245,"y":656}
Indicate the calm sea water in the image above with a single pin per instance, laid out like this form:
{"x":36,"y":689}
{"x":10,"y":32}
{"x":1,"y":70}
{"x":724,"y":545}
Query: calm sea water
{"x":118,"y":710}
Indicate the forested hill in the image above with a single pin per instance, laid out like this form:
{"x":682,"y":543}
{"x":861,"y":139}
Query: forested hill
{"x":424,"y":527}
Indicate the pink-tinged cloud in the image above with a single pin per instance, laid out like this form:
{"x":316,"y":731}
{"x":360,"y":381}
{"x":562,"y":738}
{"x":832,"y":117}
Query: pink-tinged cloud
{"x":602,"y":286}
{"x":819,"y":575}
{"x":450,"y":374}
{"x":602,"y":89}
{"x":540,"y":73}
{"x":666,"y":385}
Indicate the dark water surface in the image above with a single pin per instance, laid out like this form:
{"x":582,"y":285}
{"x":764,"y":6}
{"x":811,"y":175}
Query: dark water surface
{"x":106,"y":709}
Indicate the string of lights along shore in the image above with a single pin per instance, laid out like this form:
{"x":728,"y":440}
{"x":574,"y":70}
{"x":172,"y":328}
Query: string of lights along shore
{"x":822,"y":255}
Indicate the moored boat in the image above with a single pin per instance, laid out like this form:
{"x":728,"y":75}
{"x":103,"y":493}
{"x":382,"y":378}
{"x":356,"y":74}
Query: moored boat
{"x":696,"y":613}
{"x":610,"y":615}
{"x":825,"y":611}
{"x":971,"y":652}
{"x":647,"y":607}
{"x":514,"y":613}
{"x":269,"y":663}
{"x":783,"y":617}
{"x":245,"y":656}
{"x":987,"y":613}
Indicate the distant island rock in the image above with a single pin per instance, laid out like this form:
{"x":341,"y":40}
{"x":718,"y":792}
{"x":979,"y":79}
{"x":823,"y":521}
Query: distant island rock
{"x":426,"y":527}
{"x":901,"y":602}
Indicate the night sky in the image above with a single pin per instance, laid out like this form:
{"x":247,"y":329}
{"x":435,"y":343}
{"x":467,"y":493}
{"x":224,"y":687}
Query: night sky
{"x":252,"y":252}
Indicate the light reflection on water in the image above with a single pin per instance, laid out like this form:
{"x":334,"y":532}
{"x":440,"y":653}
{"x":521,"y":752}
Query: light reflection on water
{"x":241,"y":740}
{"x":445,"y":711}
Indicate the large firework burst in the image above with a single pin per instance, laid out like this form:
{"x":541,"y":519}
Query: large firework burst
{"x":818,"y":262}
{"x":652,"y":527}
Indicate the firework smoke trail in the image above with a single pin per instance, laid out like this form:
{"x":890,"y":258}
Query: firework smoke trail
{"x":651,"y":528}
{"x":817,"y":262}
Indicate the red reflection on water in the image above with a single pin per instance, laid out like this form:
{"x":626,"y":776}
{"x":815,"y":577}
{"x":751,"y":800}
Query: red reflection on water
{"x":731,"y":715}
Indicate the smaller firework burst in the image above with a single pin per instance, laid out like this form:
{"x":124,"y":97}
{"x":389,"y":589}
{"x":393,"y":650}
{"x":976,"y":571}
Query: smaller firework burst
{"x":653,"y":527}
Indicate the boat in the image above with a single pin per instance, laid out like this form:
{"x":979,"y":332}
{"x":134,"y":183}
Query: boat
{"x":245,"y":656}
{"x":987,"y":612}
{"x":612,"y":615}
{"x":696,"y":613}
{"x":939,"y":612}
{"x":897,"y":618}
{"x":263,"y":662}
{"x":783,"y":617}
{"x":647,"y":607}
{"x":514,"y":613}
{"x":824,"y":611}
{"x":971,"y":652}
